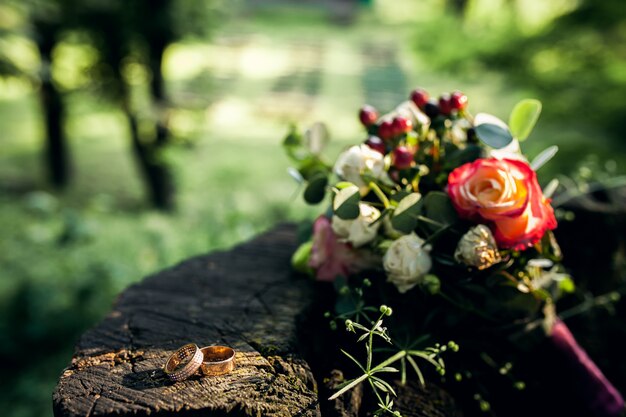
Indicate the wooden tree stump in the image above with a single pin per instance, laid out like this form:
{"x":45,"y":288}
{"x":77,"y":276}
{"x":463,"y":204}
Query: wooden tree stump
{"x":246,"y":298}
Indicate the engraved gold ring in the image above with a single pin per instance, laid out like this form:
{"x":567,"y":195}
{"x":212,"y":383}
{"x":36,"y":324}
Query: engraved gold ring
{"x":184,"y":362}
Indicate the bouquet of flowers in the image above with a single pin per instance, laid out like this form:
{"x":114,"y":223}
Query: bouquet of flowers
{"x":443,"y":213}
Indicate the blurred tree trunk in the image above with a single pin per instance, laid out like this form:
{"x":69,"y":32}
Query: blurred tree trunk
{"x":157,"y":35}
{"x":148,"y":151}
{"x":155,"y":171}
{"x":458,"y":6}
{"x":56,"y":150}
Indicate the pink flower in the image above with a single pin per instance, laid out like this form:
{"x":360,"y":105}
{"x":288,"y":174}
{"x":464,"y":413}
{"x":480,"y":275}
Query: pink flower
{"x":505,"y":194}
{"x":331,"y":258}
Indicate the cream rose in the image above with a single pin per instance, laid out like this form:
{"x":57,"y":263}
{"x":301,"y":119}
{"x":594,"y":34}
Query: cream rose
{"x":358,"y":231}
{"x":407,"y":261}
{"x":359,"y":160}
{"x":478,"y":248}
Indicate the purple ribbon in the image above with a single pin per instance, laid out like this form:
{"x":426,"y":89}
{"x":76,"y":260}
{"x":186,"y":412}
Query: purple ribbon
{"x":593,"y":388}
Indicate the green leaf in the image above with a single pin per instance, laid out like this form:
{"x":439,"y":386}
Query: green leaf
{"x":439,"y":209}
{"x":493,"y":135}
{"x":550,"y":189}
{"x":382,"y":385}
{"x":349,"y":386}
{"x":567,"y":285}
{"x":543,"y":158}
{"x":524,"y":117}
{"x":405,"y":216}
{"x":346,"y":203}
{"x":388,"y":369}
{"x":316,"y":189}
{"x":343,"y":184}
{"x":353,"y":359}
{"x":293,"y":138}
{"x":417,"y":370}
{"x":300,"y":258}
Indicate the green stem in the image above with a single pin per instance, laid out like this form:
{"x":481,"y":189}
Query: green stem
{"x":379,"y":193}
{"x":601,"y":300}
{"x":390,"y":360}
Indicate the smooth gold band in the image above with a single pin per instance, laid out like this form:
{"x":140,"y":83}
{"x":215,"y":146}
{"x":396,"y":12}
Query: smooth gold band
{"x":184,"y":362}
{"x":218,"y":360}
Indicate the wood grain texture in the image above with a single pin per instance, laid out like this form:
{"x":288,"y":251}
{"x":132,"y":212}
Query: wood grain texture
{"x":245,"y":298}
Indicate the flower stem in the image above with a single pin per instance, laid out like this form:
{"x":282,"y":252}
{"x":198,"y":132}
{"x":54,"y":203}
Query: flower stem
{"x":379,"y":193}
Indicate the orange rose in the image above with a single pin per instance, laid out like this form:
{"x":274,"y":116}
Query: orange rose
{"x":505,"y":194}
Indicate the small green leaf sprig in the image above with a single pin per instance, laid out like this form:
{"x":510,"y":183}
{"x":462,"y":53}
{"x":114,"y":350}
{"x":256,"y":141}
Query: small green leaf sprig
{"x":371,"y":373}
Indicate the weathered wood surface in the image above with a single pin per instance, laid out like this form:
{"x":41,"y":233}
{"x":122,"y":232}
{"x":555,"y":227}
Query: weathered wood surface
{"x":245,"y":298}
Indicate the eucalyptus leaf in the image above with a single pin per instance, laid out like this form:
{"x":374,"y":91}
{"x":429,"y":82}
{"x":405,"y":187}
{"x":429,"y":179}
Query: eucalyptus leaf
{"x":493,"y":135}
{"x":316,"y":189}
{"x":524,"y":117}
{"x":545,"y":156}
{"x":300,"y":258}
{"x":405,"y":216}
{"x":346,"y":203}
{"x":439,"y":210}
{"x":552,"y":186}
{"x":295,"y":174}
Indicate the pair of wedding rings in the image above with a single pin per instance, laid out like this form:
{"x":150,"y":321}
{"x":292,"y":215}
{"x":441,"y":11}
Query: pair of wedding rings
{"x":211,"y":360}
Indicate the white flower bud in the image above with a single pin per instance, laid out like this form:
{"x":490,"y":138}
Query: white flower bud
{"x":358,"y":231}
{"x":407,"y":261}
{"x":357,"y":161}
{"x":478,"y":248}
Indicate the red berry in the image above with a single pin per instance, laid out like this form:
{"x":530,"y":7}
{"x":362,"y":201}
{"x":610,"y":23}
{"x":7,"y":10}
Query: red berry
{"x":376,"y":144}
{"x":445,"y":106}
{"x":420,"y":97}
{"x":458,"y":100}
{"x":385,"y":130}
{"x":401,"y":125}
{"x":402,"y":157}
{"x":368,"y":115}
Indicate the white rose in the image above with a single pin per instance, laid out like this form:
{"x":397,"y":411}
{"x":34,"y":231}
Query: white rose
{"x":359,"y":160}
{"x":407,"y":261}
{"x":458,"y":132}
{"x":358,"y":231}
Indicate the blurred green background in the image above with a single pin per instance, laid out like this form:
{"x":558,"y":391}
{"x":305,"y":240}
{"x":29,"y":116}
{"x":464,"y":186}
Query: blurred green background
{"x":136,"y":134}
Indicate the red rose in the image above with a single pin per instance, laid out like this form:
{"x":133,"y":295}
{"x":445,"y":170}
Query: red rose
{"x":505,"y":194}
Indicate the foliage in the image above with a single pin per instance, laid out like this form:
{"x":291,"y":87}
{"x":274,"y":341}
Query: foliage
{"x":573,"y":61}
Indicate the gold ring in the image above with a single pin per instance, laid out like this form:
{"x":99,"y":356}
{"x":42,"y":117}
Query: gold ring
{"x":218,"y":360}
{"x":183,"y":363}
